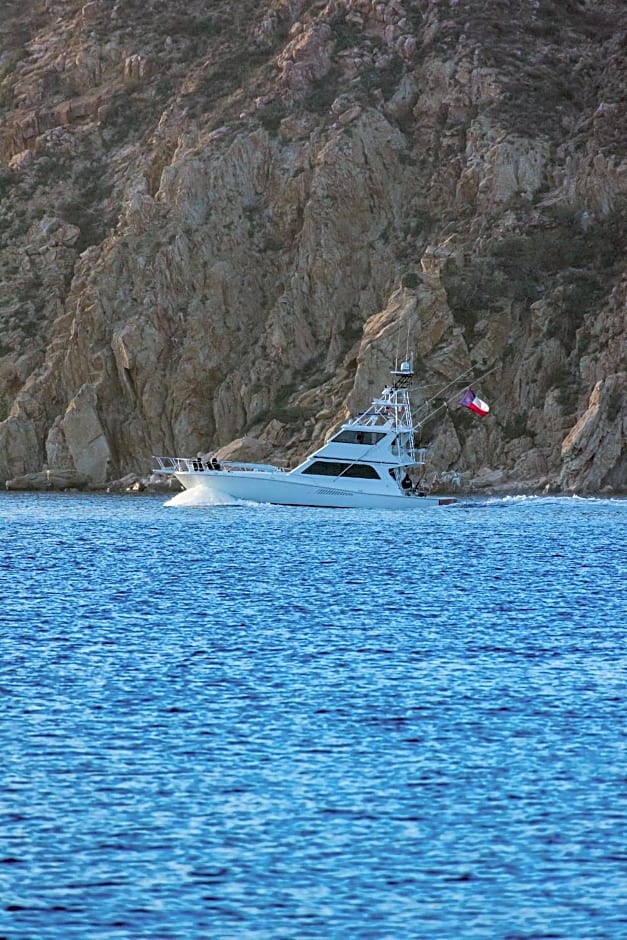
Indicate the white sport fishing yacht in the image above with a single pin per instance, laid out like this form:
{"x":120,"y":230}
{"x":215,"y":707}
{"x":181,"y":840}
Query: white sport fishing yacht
{"x":366,"y":464}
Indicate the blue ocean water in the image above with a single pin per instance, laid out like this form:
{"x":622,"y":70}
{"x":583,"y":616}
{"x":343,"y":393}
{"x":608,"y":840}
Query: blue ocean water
{"x":258,"y":723}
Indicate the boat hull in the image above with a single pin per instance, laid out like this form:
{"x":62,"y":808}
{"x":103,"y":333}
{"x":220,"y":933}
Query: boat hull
{"x":280,"y":489}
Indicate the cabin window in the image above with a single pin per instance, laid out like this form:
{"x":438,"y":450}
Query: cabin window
{"x":331,"y":468}
{"x":363,"y":471}
{"x":358,"y":437}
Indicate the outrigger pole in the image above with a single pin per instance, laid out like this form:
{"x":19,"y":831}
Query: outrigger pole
{"x":452,"y":398}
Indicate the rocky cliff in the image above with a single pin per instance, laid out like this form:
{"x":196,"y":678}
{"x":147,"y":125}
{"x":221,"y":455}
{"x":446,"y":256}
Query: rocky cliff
{"x":222,"y":221}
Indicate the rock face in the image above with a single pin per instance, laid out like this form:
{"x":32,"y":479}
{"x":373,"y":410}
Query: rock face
{"x":221,"y":226}
{"x":592,"y":453}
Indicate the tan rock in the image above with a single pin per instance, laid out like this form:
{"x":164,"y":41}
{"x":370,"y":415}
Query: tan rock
{"x":84,"y":436}
{"x":19,"y":446}
{"x":49,"y":480}
{"x":592,"y":451}
{"x":306,"y":59}
{"x":247,"y":449}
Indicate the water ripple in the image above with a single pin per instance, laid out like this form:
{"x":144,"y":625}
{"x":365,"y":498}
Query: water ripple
{"x":252,"y":723}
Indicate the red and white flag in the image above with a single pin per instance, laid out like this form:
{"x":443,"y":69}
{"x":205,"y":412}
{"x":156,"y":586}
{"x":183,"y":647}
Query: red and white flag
{"x":470,"y":400}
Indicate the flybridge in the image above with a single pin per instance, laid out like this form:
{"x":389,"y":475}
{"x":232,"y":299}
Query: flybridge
{"x":393,"y":401}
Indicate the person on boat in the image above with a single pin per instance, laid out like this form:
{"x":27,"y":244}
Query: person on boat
{"x":421,"y":488}
{"x":406,"y":483}
{"x":214,"y":464}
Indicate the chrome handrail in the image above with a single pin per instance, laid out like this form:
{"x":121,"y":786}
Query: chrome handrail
{"x":165,"y":464}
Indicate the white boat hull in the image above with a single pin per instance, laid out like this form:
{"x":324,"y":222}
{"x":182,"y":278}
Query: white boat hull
{"x":280,"y":489}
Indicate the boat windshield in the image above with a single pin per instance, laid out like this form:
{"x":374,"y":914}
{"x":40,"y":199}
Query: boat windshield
{"x":332,"y":468}
{"x":358,"y":437}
